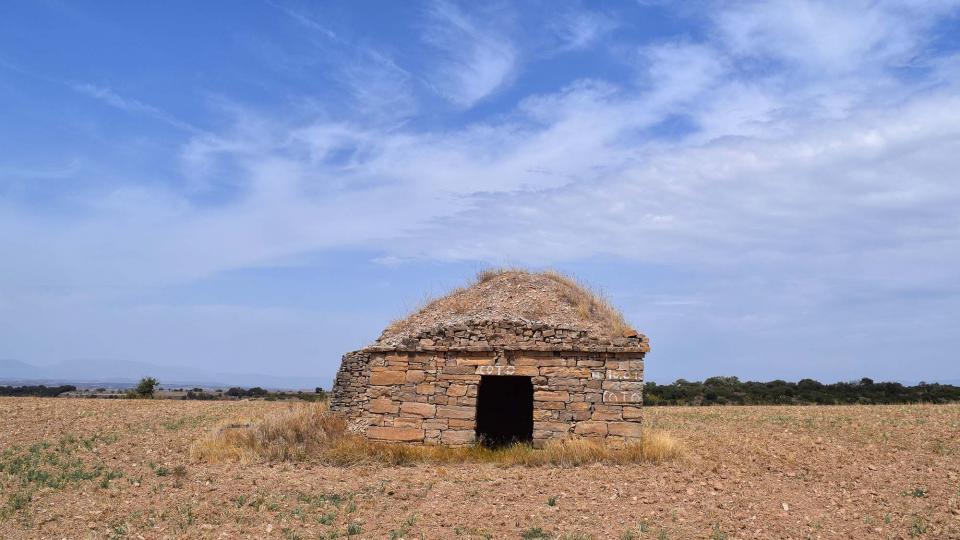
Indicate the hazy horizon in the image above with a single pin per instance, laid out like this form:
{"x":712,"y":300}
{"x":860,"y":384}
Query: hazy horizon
{"x":767,"y":190}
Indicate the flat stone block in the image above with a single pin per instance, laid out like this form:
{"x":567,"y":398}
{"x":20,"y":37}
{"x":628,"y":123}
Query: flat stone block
{"x":566,"y":372}
{"x":606,"y":415}
{"x":435,"y":423}
{"x":547,"y":395}
{"x":630,"y":430}
{"x":459,"y":370}
{"x":426,"y":388}
{"x":454,"y":411}
{"x":454,"y":436}
{"x":384,"y":378}
{"x":419,"y":409}
{"x":475,"y":361}
{"x":402,"y":434}
{"x":631,"y":386}
{"x":382,"y":405}
{"x":590,"y":428}
{"x":458,"y":423}
{"x":408,"y":422}
{"x":560,"y":427}
{"x":416,"y":376}
{"x":456,"y":390}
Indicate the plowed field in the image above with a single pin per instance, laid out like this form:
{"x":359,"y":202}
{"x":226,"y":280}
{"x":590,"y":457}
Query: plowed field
{"x":121,"y":469}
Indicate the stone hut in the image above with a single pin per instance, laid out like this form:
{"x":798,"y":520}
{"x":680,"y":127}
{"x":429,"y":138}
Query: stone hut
{"x":516,"y":356}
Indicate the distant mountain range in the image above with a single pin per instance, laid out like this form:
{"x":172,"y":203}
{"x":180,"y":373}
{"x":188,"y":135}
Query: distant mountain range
{"x":106,"y":372}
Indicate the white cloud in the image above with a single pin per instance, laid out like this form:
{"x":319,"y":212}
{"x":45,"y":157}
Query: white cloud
{"x":805,"y":197}
{"x":476,"y":60}
{"x":830,"y":37}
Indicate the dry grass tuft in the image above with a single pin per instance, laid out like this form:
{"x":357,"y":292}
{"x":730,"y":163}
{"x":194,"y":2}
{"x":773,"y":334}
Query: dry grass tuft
{"x":590,"y":304}
{"x":293,"y":435}
{"x":313,"y":433}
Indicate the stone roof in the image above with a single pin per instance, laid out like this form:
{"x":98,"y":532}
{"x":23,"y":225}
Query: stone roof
{"x":515,"y":309}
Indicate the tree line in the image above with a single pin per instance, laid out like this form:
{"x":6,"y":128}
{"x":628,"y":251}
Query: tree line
{"x":36,"y":390}
{"x":733,"y":391}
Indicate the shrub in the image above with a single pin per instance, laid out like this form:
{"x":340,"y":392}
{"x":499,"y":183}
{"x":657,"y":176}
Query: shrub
{"x":145,"y":388}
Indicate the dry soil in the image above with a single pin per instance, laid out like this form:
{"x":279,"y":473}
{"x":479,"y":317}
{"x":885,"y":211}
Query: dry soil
{"x":121,"y":469}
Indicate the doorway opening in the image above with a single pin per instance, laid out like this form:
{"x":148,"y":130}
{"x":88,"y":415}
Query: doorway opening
{"x":504,"y":410}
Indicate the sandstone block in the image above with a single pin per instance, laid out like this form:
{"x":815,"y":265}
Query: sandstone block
{"x":435,"y":423}
{"x":476,"y":361}
{"x":459,"y":370}
{"x":418,"y":409}
{"x":416,"y":376}
{"x":381,"y":406}
{"x":607,"y":415}
{"x":474,"y":379}
{"x":457,"y":390}
{"x":630,"y":413}
{"x":567,"y":372}
{"x":454,"y":436}
{"x":383,"y":378}
{"x":590,"y":428}
{"x":536,"y":361}
{"x":625,"y":429}
{"x":408,"y":422}
{"x":458,"y":423}
{"x":402,"y":434}
{"x":541,"y":414}
{"x":560,"y":427}
{"x":550,"y":405}
{"x":632,"y":386}
{"x":547,"y":395}
{"x":426,"y":388}
{"x":454,"y":411}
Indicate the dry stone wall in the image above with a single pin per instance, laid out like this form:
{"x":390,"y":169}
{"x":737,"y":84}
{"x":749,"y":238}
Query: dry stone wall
{"x":349,"y":394}
{"x":511,"y":334}
{"x":428,"y":392}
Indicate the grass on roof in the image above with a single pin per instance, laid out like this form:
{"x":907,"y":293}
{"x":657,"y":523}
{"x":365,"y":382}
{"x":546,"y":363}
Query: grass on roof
{"x":590,"y":304}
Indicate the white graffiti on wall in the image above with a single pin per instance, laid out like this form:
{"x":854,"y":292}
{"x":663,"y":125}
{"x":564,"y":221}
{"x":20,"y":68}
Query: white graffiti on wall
{"x":610,"y":396}
{"x":628,"y":375}
{"x":496,"y":370}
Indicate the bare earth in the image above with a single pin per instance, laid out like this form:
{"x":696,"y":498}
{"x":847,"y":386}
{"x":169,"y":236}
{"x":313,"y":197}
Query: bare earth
{"x":750,"y":472}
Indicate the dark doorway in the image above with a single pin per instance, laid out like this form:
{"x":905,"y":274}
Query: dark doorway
{"x":504,"y":410}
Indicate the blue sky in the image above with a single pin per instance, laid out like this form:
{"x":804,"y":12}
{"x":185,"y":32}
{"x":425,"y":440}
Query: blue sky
{"x":768,"y":190}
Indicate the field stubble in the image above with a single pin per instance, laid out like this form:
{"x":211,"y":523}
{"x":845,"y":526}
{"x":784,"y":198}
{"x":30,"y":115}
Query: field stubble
{"x":123,"y":469}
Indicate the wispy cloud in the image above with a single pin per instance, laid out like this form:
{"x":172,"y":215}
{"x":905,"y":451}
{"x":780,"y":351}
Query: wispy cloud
{"x":477,"y":58}
{"x":108,"y":96}
{"x":580,"y":29}
{"x":380,"y":88}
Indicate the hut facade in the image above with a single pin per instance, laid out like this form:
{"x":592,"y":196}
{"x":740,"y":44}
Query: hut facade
{"x":517,"y":356}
